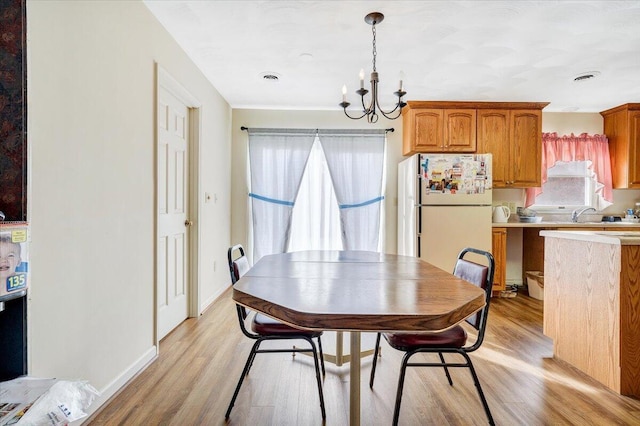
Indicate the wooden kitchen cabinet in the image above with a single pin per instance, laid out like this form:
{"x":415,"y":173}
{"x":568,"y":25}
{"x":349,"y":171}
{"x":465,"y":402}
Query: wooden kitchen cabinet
{"x":499,"y":251}
{"x":622,"y":128}
{"x":514,"y":138}
{"x":511,"y":131}
{"x":438,"y":130}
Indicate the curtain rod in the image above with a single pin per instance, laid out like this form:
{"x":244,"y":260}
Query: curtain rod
{"x":391,"y":129}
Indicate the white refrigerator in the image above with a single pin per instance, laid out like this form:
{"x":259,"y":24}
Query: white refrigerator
{"x":444,"y":205}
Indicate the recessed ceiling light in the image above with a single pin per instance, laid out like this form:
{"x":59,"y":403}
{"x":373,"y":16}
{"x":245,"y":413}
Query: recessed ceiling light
{"x":587,"y":76}
{"x":570,"y":109}
{"x":306,"y":56}
{"x":270,"y":76}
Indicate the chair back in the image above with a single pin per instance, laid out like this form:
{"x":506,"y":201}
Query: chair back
{"x":238,"y":266}
{"x":481,"y":276}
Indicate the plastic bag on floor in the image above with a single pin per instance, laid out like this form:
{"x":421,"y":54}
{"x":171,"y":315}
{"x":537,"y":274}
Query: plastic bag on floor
{"x":62,"y":404}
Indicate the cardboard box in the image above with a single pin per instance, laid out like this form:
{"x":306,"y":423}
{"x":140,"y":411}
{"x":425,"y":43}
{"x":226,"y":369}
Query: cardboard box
{"x":14,"y":258}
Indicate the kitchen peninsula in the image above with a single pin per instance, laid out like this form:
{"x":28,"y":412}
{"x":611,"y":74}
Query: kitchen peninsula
{"x":592,"y":304}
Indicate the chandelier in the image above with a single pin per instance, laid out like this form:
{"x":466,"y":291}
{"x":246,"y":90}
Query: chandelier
{"x":371,"y":111}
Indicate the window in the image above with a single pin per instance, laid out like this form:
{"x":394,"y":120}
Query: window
{"x":583,"y":179}
{"x":570,"y":185}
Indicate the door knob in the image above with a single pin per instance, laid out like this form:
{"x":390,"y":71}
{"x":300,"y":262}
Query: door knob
{"x":188,"y":222}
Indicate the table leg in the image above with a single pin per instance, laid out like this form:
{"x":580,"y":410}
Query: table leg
{"x":354,"y":380}
{"x":339,"y":351}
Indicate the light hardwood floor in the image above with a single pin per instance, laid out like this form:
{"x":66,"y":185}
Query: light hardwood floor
{"x":192,"y":382}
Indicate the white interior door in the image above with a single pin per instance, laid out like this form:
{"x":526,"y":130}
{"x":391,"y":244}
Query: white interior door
{"x":173,"y":220}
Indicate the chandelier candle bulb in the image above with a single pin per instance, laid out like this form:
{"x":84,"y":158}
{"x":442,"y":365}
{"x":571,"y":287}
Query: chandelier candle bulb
{"x":362,"y":78}
{"x":344,"y":93}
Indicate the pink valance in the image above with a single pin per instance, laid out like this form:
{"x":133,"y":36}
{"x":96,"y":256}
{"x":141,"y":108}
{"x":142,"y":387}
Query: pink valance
{"x":584,"y":147}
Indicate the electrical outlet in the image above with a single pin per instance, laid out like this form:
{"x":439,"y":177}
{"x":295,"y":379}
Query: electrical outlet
{"x":512,"y":207}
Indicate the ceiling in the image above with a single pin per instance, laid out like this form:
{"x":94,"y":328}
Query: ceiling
{"x":447,"y":50}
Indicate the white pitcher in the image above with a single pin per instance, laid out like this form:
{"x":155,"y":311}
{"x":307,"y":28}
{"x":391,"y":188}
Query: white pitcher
{"x":501,"y":214}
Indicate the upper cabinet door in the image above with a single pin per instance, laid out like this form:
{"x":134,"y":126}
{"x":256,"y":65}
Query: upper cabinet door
{"x":493,"y":137}
{"x":634,"y":149}
{"x":526,"y":148}
{"x":428,"y":130}
{"x":622,"y":128}
{"x":459,"y":130}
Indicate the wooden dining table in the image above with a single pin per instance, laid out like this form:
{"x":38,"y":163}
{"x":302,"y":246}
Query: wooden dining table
{"x":356,"y":291}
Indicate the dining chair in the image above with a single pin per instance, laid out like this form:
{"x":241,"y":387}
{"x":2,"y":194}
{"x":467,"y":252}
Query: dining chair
{"x":264,"y":328}
{"x":453,"y":340}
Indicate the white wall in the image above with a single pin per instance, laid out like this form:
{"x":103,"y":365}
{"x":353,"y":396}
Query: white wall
{"x":565,"y":123}
{"x":307,"y":120}
{"x":91,"y":120}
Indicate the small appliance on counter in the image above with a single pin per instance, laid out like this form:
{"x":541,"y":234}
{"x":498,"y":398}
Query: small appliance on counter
{"x":14,"y":259}
{"x":501,"y":214}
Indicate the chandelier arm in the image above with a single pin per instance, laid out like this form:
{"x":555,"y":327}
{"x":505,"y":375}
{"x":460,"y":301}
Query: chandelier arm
{"x":354,"y":118}
{"x":387,"y":115}
{"x":400,"y":105}
{"x":374,"y":93}
{"x":366,"y":109}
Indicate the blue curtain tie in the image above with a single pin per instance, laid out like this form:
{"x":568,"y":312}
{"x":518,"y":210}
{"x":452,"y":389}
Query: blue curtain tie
{"x":271,"y":200}
{"x":365,"y":203}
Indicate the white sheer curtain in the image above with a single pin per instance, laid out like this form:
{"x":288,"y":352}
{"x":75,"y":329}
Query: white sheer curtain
{"x":356,"y":165}
{"x":277,"y":160}
{"x":315,"y":223}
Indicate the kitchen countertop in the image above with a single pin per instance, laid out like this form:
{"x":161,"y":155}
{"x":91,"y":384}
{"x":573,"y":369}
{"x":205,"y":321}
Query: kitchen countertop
{"x":559,"y":224}
{"x":628,"y":238}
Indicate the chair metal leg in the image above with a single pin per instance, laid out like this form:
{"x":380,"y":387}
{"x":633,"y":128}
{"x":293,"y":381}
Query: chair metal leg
{"x":318,"y":379}
{"x":403,"y":370}
{"x":375,"y":360}
{"x":446,"y":370}
{"x":321,"y":355}
{"x":479,"y":388}
{"x":245,"y":371}
{"x":253,"y":356}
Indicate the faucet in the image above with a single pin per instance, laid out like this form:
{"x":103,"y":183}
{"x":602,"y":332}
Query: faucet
{"x":577,"y":213}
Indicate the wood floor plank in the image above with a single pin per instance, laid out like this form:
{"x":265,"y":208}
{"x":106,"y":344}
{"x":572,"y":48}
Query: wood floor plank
{"x":196,"y":372}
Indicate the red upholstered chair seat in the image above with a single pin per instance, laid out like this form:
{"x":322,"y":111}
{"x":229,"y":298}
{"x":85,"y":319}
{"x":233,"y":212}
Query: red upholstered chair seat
{"x":455,"y":337}
{"x":264,"y":325}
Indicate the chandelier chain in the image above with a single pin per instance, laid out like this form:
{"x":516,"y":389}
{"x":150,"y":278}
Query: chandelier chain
{"x":373,"y":29}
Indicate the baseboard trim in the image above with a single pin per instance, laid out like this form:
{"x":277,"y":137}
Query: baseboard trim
{"x":118,"y":384}
{"x":207,"y":303}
